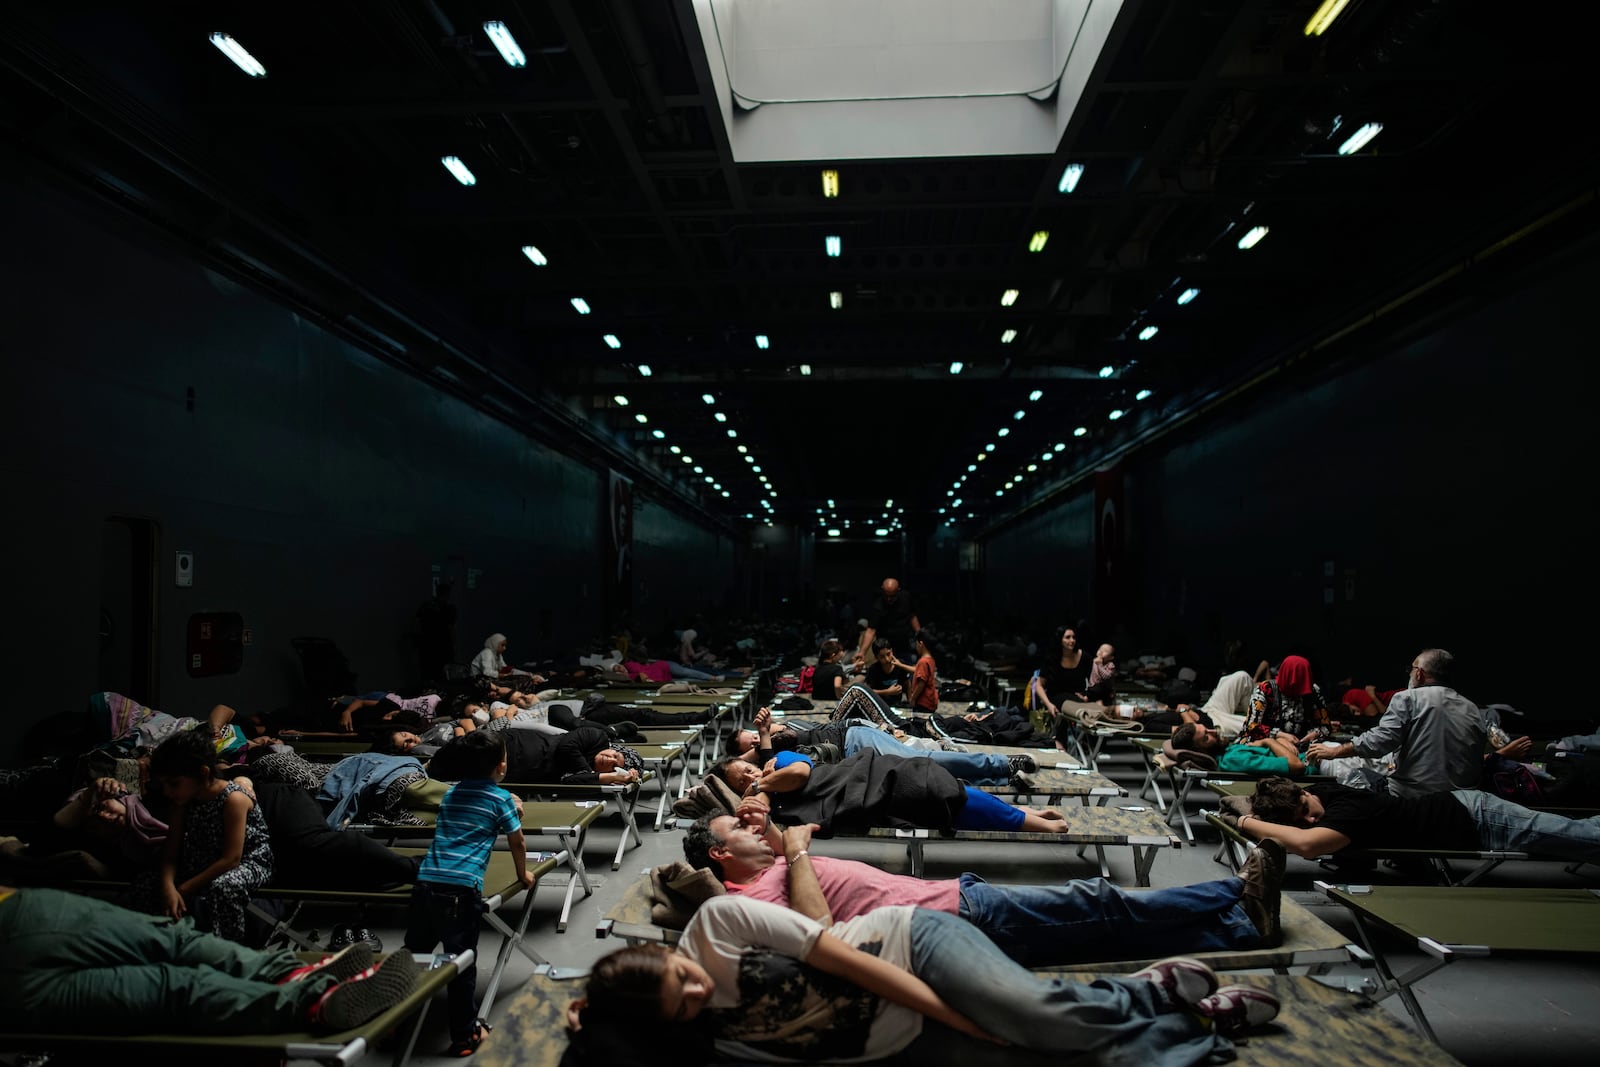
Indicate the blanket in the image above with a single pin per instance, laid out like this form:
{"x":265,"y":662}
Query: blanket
{"x":873,"y":789}
{"x":712,"y":796}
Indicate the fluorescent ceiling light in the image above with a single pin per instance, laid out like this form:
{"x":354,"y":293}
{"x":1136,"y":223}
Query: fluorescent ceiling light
{"x":762,"y":341}
{"x":1061,"y":446}
{"x":535,"y":256}
{"x":880,"y":532}
{"x":725,"y":492}
{"x":983,"y":455}
{"x":1116,"y":413}
{"x":833,"y":244}
{"x":757,"y":469}
{"x":805,"y":370}
{"x":971,"y":467}
{"x":1033,"y":467}
{"x":830,"y":503}
{"x":733,"y":433}
{"x":1009,"y":297}
{"x":833,"y":533}
{"x":836,"y":299}
{"x":956,"y":503}
{"x":889,"y":503}
{"x":505,"y":44}
{"x":1323,"y":17}
{"x":688,"y":459}
{"x":611,"y":339}
{"x":989,"y":447}
{"x":1069,"y":177}
{"x":749,"y":459}
{"x":1080,"y":431}
{"x":719,"y":416}
{"x":1036,"y":242}
{"x":462,"y":174}
{"x":830,"y":183}
{"x":241,"y":58}
{"x":955,"y":367}
{"x":710,"y":480}
{"x":742,"y":450}
{"x":1107,"y":371}
{"x":1004,"y":431}
{"x":1359,"y":139}
{"x":675,"y":450}
{"x":1007,"y":337}
{"x":1019,"y":414}
{"x":1188,"y":295}
{"x":1253,"y":237}
{"x":699,"y":470}
{"x":1143,"y":394}
{"x":1047,"y":456}
{"x":581,"y":305}
{"x":620,"y":400}
{"x":659,"y":435}
{"x":644,"y":370}
{"x":1036,"y":395}
{"x":642,"y":418}
{"x":1148,"y":332}
{"x":999,"y":492}
{"x":708,"y":398}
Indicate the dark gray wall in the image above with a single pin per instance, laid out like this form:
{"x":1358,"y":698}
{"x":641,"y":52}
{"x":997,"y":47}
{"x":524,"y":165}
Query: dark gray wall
{"x":1442,"y":480}
{"x":315,"y":485}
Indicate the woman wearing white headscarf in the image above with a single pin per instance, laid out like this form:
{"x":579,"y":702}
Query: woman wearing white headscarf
{"x":491,"y":661}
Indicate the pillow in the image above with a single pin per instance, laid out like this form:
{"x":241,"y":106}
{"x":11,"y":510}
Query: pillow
{"x":677,"y":889}
{"x":1188,"y":757}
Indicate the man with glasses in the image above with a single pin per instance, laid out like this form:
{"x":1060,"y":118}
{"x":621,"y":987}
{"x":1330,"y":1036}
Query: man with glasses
{"x":1437,"y":735}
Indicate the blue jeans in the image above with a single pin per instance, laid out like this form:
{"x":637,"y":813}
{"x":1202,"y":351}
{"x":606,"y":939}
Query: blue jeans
{"x":1504,"y":825}
{"x":981,"y":767}
{"x":689,"y":674}
{"x":1091,"y":919}
{"x":1122,"y":1022}
{"x":450,"y":916}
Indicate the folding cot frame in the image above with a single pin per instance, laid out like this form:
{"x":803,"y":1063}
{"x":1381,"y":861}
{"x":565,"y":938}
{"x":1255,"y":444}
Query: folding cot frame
{"x":1340,"y":1025}
{"x":1452,"y":923}
{"x":1307,"y":941}
{"x":1137,"y":828}
{"x":567,"y":821}
{"x":336,"y":1050}
{"x":1182,"y":781}
{"x":625,"y":797}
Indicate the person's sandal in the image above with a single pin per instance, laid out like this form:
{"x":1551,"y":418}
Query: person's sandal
{"x":463,"y":1049}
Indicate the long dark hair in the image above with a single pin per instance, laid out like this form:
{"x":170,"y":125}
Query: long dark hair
{"x":621,"y":1024}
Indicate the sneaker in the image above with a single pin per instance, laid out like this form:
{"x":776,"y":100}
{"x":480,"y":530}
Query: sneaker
{"x":1236,"y":1009}
{"x":1022,"y":764}
{"x":348,"y":962}
{"x":368,"y":994}
{"x":363,"y":936}
{"x":341,"y":936}
{"x":1262,"y":875}
{"x":1185,"y":981}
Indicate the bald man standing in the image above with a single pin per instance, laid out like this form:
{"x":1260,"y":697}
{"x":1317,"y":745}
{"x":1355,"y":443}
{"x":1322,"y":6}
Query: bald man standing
{"x":893,"y":618}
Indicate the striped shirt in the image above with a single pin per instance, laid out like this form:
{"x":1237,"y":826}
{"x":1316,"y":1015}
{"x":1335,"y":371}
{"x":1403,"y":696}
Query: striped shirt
{"x":471,"y":816}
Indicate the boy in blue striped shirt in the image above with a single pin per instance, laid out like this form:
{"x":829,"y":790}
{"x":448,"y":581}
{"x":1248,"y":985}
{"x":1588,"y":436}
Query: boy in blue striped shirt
{"x":447,"y":901}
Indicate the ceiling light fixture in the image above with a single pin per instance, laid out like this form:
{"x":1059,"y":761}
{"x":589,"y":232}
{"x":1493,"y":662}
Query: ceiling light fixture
{"x":1036,"y":242}
{"x":880,"y":532}
{"x":675,"y":450}
{"x":1358,"y":140}
{"x":241,"y":58}
{"x":719,"y":416}
{"x":611,"y":340}
{"x":1069,"y":178}
{"x":708,"y":398}
{"x":1187,"y":296}
{"x":805,"y":370}
{"x":988,"y":448}
{"x":836,"y":299}
{"x":505,"y":44}
{"x":1253,"y":237}
{"x":1143,"y":394}
{"x":1007,"y":337}
{"x":462,"y":173}
{"x":833,"y":244}
{"x":620,"y":400}
{"x":1116,"y":413}
{"x":762,"y":341}
{"x":659,"y":435}
{"x":733,"y":433}
{"x":1036,"y":395}
{"x":833,"y":533}
{"x":1148,"y":332}
{"x":581,"y":305}
{"x":644,"y":370}
{"x":642,"y":418}
{"x":742,"y":450}
{"x":1107,"y":371}
{"x":1323,"y":17}
{"x":955,"y":367}
{"x":1080,"y":431}
{"x":1047,"y":456}
{"x":1009,"y":297}
{"x":1019,"y":414}
{"x":535,"y":256}
{"x":830,"y":183}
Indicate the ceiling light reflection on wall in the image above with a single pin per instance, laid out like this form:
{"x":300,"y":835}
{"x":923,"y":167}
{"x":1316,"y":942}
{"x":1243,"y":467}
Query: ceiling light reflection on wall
{"x":1358,"y":140}
{"x":1323,"y":17}
{"x":830,"y":183}
{"x":240,"y":56}
{"x":505,"y":44}
{"x":1253,"y":237}
{"x":459,"y":169}
{"x":535,"y":256}
{"x":1069,"y":177}
{"x":1187,"y":296}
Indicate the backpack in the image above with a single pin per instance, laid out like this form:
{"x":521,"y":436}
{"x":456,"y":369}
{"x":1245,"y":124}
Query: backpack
{"x":1510,"y":780}
{"x":807,"y":673}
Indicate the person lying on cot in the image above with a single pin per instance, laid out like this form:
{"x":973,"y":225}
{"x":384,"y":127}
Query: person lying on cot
{"x":873,"y":789}
{"x":753,"y":981}
{"x":1326,"y":817}
{"x":849,"y":736}
{"x":1078,"y":921}
{"x":74,"y":964}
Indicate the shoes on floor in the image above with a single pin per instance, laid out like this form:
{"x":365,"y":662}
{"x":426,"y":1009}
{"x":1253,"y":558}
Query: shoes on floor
{"x":345,"y":934}
{"x":462,"y":1049}
{"x":368,"y":994}
{"x":1262,"y":875}
{"x":1237,"y":1009}
{"x":1185,"y":982}
{"x":348,"y":962}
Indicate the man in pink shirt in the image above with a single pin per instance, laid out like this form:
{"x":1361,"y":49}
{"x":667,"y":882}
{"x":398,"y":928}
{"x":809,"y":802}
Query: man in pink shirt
{"x":1036,"y":925}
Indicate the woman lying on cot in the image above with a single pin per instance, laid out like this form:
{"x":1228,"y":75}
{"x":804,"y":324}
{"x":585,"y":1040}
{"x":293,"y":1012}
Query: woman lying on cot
{"x":750,"y":980}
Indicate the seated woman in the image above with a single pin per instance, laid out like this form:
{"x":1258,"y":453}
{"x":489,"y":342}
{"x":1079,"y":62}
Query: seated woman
{"x":1290,"y":705}
{"x":750,"y":980}
{"x":490,"y":662}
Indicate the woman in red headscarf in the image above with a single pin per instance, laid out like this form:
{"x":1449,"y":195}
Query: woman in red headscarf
{"x":1289,"y":705}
